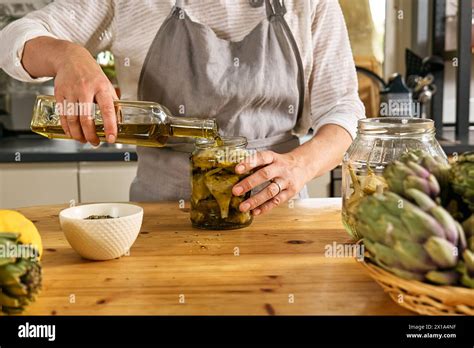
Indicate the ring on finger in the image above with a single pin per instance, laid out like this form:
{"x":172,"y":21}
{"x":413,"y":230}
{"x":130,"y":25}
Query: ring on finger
{"x":279,"y":186}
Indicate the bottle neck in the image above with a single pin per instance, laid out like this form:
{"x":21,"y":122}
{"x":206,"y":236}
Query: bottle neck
{"x":193,"y":127}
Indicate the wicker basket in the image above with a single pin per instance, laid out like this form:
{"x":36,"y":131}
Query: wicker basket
{"x":421,"y":297}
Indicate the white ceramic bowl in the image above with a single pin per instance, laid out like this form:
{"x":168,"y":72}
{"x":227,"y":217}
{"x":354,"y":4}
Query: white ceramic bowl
{"x":102,"y":239}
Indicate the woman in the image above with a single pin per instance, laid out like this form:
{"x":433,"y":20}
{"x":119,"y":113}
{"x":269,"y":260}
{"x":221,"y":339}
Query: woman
{"x":265,"y":69}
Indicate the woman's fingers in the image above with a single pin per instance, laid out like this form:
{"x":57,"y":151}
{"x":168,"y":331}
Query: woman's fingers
{"x":258,"y":178}
{"x":268,"y":193}
{"x":105,"y":99}
{"x":86,"y":119}
{"x":273,"y":203}
{"x":73,"y":120}
{"x":261,"y":176}
{"x":62,"y":118}
{"x":258,"y":159}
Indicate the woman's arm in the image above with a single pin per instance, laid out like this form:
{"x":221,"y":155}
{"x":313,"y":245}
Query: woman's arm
{"x":78,"y":79}
{"x":55,"y":42}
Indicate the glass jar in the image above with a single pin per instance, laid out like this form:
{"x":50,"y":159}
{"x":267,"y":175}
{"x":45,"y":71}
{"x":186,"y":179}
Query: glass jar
{"x":213,"y":206}
{"x":380,"y":141}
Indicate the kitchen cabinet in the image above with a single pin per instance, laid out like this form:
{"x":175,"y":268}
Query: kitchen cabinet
{"x":27,"y":184}
{"x":105,"y":181}
{"x":319,"y":187}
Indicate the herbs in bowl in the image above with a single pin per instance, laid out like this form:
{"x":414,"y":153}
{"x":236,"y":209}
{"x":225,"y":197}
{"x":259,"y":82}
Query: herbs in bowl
{"x":99,"y":217}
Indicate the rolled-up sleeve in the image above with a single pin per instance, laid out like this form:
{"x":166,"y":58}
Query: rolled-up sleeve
{"x":333,"y":81}
{"x":87,"y":23}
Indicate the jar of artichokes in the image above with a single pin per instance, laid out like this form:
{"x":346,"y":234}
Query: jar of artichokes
{"x":380,"y":141}
{"x":213,"y":206}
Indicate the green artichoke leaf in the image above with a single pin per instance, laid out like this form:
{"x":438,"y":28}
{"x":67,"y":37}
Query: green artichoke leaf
{"x":8,"y":301}
{"x":199,"y":188}
{"x":385,"y":254}
{"x":442,"y":252}
{"x":443,"y":277}
{"x":468,"y":257}
{"x":421,"y":224}
{"x":470,"y":243}
{"x":467,"y":281}
{"x":401,"y":272}
{"x":413,"y":257}
{"x":468,"y":226}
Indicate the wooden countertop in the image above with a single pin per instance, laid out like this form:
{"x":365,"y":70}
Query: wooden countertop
{"x":175,"y":269}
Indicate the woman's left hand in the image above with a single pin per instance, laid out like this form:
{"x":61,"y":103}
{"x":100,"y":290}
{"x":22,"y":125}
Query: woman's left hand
{"x":287,"y":174}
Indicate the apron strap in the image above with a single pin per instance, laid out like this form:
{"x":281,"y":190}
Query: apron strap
{"x":278,"y":9}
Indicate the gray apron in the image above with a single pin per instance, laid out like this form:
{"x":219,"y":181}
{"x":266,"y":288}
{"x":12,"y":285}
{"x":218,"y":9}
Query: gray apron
{"x":253,"y":87}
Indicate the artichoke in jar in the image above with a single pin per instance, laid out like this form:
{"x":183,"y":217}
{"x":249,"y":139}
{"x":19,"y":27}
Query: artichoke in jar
{"x":213,"y":206}
{"x":220,"y":187}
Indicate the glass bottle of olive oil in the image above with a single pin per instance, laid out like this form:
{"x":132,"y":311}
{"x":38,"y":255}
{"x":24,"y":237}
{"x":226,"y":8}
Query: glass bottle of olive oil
{"x":138,"y":123}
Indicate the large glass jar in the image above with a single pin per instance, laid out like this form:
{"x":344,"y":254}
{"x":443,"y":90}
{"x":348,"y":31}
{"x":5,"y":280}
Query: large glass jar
{"x":380,"y":141}
{"x":213,"y":206}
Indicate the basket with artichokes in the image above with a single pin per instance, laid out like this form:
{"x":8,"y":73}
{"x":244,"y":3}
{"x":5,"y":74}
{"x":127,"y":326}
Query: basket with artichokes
{"x":421,"y":226}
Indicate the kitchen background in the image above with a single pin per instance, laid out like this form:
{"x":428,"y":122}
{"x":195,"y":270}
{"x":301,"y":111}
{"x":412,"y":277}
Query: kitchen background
{"x":35,"y":170}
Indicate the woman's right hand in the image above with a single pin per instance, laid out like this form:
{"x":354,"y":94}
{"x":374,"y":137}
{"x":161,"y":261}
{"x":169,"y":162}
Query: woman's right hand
{"x":78,"y":79}
{"x":80,"y":82}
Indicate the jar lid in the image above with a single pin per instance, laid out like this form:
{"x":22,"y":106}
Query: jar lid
{"x":225,"y":142}
{"x":396,"y":126}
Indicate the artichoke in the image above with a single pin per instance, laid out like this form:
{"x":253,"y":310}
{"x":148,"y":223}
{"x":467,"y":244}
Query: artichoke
{"x":401,"y":176}
{"x":220,"y":186}
{"x":466,"y":268}
{"x":414,"y":239}
{"x":462,"y":178}
{"x":20,"y":273}
{"x":438,"y":166}
{"x":442,"y":171}
{"x":468,"y":227}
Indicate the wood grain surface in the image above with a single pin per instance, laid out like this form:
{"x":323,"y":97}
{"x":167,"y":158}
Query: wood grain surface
{"x":277,"y":266}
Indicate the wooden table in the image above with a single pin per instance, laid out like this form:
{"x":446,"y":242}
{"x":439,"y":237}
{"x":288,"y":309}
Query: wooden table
{"x":275,"y":266}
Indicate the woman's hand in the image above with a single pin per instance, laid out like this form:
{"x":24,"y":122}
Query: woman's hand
{"x":79,"y":82}
{"x":287,"y":174}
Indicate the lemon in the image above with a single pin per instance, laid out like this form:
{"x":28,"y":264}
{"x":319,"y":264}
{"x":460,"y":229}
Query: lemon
{"x":13,"y":222}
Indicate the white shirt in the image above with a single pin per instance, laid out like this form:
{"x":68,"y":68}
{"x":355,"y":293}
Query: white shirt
{"x":127,"y":28}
